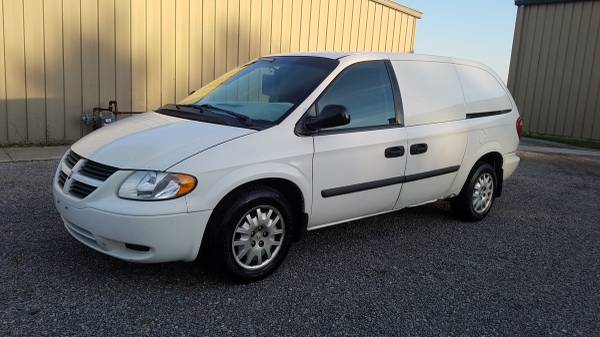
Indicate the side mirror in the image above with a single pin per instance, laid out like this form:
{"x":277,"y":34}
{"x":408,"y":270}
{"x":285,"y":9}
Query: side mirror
{"x":331,"y":116}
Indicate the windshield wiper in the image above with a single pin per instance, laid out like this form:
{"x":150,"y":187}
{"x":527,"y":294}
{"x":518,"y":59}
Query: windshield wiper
{"x":181,"y":108}
{"x":200,"y":109}
{"x":191,"y":106}
{"x":242,"y":118}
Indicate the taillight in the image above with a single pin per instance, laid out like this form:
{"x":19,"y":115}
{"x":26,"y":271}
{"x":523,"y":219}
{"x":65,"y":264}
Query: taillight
{"x":519,"y":127}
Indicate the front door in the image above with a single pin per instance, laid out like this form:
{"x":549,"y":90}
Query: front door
{"x":358,"y":168}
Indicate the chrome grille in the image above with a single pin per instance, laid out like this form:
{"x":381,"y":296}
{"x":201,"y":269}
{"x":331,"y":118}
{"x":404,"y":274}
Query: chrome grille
{"x":80,"y":189}
{"x":80,"y":180}
{"x":71,"y":159}
{"x":96,"y":170}
{"x":62,"y":178}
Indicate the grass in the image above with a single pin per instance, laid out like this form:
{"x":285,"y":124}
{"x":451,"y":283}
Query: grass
{"x":588,"y":143}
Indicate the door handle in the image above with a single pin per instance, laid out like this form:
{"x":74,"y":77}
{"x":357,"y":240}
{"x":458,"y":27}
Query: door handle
{"x":418,"y":148}
{"x":393,"y":152}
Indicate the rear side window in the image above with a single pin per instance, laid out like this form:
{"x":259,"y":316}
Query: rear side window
{"x":366,"y":92}
{"x":431,"y":92}
{"x":483,"y":92}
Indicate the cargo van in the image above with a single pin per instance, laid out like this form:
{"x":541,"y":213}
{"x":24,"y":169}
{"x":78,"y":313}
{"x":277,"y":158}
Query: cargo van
{"x":242,"y":167}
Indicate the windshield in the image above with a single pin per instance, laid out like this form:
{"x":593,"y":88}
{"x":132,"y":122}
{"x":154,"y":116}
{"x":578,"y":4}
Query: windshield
{"x":262,"y":92}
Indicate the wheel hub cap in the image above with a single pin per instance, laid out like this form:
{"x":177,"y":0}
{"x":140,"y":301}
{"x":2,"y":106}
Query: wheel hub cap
{"x":258,"y":237}
{"x":483,"y":193}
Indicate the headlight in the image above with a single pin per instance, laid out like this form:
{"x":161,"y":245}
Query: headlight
{"x":150,"y":185}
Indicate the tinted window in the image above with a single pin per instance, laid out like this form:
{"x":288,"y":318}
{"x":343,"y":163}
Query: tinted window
{"x":431,"y":92}
{"x":483,"y":92}
{"x":366,"y":92}
{"x":267,"y":89}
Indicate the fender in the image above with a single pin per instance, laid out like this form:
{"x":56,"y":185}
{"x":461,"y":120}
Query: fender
{"x":469,"y":161}
{"x":219,"y":188}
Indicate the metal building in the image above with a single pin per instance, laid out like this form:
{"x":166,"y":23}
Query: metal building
{"x":555,"y":67}
{"x":62,"y":57}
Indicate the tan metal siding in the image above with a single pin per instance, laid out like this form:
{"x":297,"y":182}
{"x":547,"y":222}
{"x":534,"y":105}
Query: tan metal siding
{"x":34,"y":70}
{"x":54,"y":70}
{"x":3,"y":115}
{"x":555,"y":69}
{"x":14,"y":67}
{"x":62,"y":57}
{"x":72,"y":69}
{"x":123,"y":70}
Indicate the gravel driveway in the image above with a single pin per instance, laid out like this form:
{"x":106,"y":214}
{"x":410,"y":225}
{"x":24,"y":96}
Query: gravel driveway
{"x":532,"y":268}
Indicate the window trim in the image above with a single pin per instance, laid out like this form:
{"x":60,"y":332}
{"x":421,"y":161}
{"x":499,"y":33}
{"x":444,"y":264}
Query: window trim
{"x":301,"y":131}
{"x":396,"y":92}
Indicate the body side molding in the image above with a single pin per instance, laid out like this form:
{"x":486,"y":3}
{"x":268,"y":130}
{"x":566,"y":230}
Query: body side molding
{"x":332,"y":192}
{"x":487,"y":113}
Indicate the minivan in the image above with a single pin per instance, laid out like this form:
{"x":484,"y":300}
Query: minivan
{"x":241,"y":168}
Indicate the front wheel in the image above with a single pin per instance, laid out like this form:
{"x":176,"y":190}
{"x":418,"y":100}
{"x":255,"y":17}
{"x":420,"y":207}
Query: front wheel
{"x":258,"y":237}
{"x":477,"y":195}
{"x":253,"y":234}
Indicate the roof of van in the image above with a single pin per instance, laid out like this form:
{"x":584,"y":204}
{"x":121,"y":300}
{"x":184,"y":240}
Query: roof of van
{"x":390,"y":56}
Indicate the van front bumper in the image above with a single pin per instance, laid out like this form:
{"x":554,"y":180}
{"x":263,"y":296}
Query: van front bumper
{"x":137,"y":238}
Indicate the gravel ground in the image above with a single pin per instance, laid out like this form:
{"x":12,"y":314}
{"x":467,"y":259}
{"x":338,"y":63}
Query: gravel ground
{"x":531,"y":268}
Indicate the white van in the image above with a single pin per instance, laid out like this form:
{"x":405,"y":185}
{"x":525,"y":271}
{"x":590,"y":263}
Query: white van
{"x":243,"y":166}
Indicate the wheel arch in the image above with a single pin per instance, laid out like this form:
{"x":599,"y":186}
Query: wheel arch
{"x":495,"y":159}
{"x":490,"y":153}
{"x":287,"y":187}
{"x":217,"y":229}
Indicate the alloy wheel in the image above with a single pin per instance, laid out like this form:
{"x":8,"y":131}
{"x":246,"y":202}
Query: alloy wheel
{"x":483,"y":193}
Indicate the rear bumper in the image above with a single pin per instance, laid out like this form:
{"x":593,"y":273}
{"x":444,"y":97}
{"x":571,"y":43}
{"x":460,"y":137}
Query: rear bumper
{"x":509,"y":164}
{"x":136,"y":238}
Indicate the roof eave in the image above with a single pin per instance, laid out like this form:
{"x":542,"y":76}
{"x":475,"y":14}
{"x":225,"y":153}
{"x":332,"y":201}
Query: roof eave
{"x":401,"y":8}
{"x":542,"y":2}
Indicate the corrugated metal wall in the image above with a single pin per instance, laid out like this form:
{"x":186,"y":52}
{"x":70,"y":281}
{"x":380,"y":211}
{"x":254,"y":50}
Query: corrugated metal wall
{"x":62,"y":57}
{"x":555,"y":69}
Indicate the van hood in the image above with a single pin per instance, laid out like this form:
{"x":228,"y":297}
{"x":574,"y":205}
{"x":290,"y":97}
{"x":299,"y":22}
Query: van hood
{"x":153,"y":141}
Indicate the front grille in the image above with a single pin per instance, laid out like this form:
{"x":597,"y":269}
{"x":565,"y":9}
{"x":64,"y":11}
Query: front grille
{"x":96,"y":170}
{"x":71,"y":159}
{"x":80,"y":189}
{"x":88,"y":169}
{"x":62,"y":178}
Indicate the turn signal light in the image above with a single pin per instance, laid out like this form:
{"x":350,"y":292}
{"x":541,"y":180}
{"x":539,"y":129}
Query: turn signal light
{"x":186,"y":184}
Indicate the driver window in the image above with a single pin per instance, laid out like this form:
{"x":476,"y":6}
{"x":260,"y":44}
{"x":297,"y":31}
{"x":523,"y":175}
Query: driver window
{"x":366,"y":92}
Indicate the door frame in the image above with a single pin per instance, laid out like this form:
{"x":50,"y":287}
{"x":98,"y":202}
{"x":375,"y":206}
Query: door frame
{"x":301,"y":131}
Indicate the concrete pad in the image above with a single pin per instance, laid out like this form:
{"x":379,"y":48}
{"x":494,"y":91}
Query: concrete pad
{"x":525,"y":141}
{"x":563,"y":151}
{"x":4,"y":156}
{"x":36,"y":153}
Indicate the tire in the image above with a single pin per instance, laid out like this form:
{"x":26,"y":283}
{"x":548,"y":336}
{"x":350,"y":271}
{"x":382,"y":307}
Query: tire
{"x":477,"y":195}
{"x":252,"y":233}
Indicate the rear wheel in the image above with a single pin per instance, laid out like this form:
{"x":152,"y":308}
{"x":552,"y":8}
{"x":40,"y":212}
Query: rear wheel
{"x":477,"y":195}
{"x":252,"y":234}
